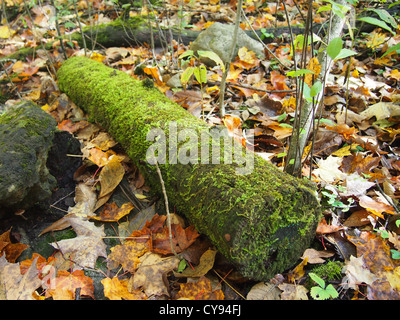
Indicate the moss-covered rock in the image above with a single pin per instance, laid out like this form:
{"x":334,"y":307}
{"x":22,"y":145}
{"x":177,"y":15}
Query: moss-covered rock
{"x":261,"y":221}
{"x":26,"y":135}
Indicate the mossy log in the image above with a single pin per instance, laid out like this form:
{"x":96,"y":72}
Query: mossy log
{"x":261,"y":221}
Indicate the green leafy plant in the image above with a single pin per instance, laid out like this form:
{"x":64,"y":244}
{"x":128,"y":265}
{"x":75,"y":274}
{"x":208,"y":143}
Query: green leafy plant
{"x":322,"y":291}
{"x":199,"y":71}
{"x":335,"y":201}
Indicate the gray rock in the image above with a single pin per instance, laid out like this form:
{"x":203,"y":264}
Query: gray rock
{"x":218,"y":38}
{"x":26,"y":135}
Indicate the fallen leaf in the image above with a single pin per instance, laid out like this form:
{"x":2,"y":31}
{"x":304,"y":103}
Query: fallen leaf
{"x":66,"y":284}
{"x":127,"y":255}
{"x":315,"y":256}
{"x":71,"y":126}
{"x":264,"y":291}
{"x":358,"y":218}
{"x":324,"y":228}
{"x":356,"y":273}
{"x":103,"y":141}
{"x":41,"y":262}
{"x":328,"y":169}
{"x":375,"y":207}
{"x":181,"y":239}
{"x":381,"y":110}
{"x":115,"y":289}
{"x":293,"y":292}
{"x":87,"y":246}
{"x":12,"y":250}
{"x":200,"y":290}
{"x":111,"y":212}
{"x":149,"y":276}
{"x":14,"y":285}
{"x":298,"y":272}
{"x":205,"y":265}
{"x":110,"y":176}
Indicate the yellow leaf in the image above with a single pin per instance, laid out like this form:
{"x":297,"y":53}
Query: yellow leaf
{"x":110,"y":176}
{"x":5,"y":32}
{"x":313,"y":65}
{"x":115,"y":289}
{"x":97,"y":57}
{"x":342,"y":152}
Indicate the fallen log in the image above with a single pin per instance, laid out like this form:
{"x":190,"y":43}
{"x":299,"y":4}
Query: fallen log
{"x":258,"y":217}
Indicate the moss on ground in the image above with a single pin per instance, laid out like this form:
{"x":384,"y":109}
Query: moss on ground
{"x":262,"y":222}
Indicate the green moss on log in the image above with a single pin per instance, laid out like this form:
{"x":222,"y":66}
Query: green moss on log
{"x":262,"y":222}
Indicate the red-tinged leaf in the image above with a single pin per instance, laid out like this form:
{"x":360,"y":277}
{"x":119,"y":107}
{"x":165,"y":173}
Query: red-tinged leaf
{"x":71,"y":126}
{"x":324,"y":228}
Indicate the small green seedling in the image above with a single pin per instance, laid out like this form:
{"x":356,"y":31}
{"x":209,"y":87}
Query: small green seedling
{"x":322,"y":292}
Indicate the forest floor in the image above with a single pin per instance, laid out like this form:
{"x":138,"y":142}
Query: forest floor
{"x":355,"y":157}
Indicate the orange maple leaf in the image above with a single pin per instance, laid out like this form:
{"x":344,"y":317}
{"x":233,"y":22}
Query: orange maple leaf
{"x":66,"y":284}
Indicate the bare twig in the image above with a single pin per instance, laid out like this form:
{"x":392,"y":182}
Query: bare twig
{"x":166,"y":208}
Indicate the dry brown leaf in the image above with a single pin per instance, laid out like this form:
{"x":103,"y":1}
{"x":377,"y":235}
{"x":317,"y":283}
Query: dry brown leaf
{"x":264,"y":291}
{"x":14,"y":285}
{"x":151,"y":272}
{"x":293,"y":292}
{"x":87,"y":246}
{"x":315,"y":256}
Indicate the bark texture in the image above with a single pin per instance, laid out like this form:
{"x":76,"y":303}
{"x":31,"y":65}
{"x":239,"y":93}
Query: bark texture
{"x":262,"y":221}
